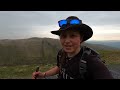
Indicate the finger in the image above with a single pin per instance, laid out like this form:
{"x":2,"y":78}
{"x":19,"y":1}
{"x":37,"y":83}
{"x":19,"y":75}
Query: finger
{"x":33,"y":77}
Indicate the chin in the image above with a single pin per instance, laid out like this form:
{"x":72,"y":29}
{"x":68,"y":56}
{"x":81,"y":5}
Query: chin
{"x":68,"y":50}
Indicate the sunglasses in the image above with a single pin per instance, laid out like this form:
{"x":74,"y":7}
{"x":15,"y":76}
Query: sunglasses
{"x":69,"y":22}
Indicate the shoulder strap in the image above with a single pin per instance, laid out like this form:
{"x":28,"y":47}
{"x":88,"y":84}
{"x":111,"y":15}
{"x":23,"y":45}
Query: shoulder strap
{"x":62,"y":56}
{"x":83,"y":62}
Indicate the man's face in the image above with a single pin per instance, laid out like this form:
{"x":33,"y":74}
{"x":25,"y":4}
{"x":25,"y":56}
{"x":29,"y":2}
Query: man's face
{"x":70,"y":40}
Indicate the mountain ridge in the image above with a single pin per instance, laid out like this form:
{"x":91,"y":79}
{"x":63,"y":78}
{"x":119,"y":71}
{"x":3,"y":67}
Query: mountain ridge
{"x":34,"y":50}
{"x":111,"y":43}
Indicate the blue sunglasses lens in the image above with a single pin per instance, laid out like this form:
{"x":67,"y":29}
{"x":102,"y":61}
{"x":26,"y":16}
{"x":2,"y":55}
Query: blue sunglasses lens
{"x":71,"y":22}
{"x":75,"y":21}
{"x":62,"y":22}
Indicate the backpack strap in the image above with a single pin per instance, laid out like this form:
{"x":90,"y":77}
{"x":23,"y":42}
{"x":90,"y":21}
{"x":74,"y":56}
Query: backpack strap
{"x":83,"y":62}
{"x":61,"y":60}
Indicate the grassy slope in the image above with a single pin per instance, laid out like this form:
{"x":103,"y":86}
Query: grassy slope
{"x":25,"y":71}
{"x":28,"y":51}
{"x":21,"y":71}
{"x":111,"y":57}
{"x":21,"y":56}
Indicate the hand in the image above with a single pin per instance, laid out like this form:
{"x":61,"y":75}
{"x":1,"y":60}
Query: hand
{"x":38,"y":74}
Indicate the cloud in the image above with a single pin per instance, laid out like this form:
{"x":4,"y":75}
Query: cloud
{"x":115,"y":36}
{"x":19,"y":24}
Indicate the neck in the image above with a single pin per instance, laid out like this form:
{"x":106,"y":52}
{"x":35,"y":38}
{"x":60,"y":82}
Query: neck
{"x":74,"y":53}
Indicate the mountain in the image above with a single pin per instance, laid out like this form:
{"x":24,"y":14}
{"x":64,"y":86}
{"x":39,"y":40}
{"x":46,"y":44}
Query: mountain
{"x":28,"y":51}
{"x":100,"y":46}
{"x":34,"y":50}
{"x":111,"y":43}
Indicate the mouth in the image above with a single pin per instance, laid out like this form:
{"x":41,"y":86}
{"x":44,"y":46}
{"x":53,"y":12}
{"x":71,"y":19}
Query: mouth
{"x":67,"y":46}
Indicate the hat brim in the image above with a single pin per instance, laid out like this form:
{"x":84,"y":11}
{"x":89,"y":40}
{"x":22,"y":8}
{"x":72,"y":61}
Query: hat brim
{"x":85,"y":29}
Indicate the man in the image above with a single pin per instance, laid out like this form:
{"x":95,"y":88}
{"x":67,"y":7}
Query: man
{"x":73,"y":60}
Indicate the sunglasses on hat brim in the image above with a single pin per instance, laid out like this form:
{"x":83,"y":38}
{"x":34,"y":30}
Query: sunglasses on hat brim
{"x":69,"y":22}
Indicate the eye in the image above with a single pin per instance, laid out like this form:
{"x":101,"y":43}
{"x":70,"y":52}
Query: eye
{"x":63,"y":36}
{"x":72,"y":35}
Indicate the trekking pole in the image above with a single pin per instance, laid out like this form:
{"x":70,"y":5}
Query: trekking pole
{"x":37,"y":69}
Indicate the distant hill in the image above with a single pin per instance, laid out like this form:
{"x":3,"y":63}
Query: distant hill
{"x":28,"y":51}
{"x":34,"y":50}
{"x":99,"y":46}
{"x":111,"y":43}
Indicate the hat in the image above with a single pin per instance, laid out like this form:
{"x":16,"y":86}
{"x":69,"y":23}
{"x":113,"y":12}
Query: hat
{"x":83,"y":28}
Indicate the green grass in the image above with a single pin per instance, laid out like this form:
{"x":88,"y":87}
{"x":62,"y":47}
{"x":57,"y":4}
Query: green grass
{"x":21,"y":71}
{"x":25,"y":71}
{"x":111,"y":57}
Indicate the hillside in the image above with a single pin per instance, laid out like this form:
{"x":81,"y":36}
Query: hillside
{"x":111,"y":43}
{"x":100,"y":46}
{"x":28,"y":51}
{"x":33,"y":50}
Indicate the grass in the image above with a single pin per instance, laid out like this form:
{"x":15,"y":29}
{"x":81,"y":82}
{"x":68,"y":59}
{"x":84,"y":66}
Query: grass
{"x":25,"y":71}
{"x":21,"y":71}
{"x":111,"y":57}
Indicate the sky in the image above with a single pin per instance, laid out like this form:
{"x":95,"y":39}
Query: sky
{"x":27,"y":24}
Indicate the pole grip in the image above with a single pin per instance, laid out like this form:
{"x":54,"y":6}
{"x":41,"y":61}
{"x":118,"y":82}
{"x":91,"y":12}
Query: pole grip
{"x":37,"y":69}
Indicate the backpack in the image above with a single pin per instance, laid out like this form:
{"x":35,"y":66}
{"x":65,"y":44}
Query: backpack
{"x":82,"y":61}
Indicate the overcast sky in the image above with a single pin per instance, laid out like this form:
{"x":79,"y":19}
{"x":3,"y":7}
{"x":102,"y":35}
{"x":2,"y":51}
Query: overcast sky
{"x":27,"y":24}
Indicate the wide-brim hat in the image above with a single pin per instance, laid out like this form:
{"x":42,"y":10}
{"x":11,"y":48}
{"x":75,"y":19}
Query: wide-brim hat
{"x":83,"y":28}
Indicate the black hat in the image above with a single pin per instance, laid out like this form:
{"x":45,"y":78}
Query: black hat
{"x":83,"y":28}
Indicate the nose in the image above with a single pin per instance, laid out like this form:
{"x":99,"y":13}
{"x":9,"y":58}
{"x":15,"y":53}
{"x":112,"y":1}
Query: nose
{"x":67,"y":39}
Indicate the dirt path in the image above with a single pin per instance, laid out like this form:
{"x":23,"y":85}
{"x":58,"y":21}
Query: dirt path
{"x":115,"y":70}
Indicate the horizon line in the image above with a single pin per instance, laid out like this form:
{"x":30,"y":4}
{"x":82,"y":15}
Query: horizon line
{"x":50,"y":38}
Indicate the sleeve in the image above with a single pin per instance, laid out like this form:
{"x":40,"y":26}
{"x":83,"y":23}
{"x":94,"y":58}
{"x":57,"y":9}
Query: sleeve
{"x":97,"y":69}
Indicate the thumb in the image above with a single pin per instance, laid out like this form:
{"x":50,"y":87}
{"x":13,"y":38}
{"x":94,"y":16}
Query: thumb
{"x":35,"y":74}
